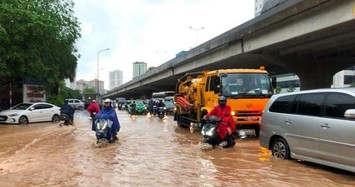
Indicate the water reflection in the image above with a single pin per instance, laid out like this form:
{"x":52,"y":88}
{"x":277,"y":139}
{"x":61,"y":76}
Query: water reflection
{"x":150,"y":152}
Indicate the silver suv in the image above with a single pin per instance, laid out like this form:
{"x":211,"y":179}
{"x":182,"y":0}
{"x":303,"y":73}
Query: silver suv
{"x":314,"y":125}
{"x":76,"y":104}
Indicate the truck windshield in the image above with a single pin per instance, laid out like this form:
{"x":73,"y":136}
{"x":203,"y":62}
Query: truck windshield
{"x":246,"y":85}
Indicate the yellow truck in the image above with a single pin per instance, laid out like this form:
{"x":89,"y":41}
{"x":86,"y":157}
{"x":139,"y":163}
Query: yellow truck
{"x":247,"y":92}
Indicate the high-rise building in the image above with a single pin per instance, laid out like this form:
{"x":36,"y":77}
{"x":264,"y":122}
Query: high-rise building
{"x":139,"y":68}
{"x":115,"y":79}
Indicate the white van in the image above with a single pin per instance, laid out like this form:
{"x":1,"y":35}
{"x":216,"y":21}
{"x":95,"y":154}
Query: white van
{"x":314,"y":125}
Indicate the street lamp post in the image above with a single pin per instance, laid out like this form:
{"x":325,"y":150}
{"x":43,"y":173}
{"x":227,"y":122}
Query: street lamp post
{"x":196,"y":30}
{"x":98,"y":77}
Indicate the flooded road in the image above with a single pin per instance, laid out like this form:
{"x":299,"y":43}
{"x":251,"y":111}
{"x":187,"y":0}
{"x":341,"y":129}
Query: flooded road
{"x":150,"y":152}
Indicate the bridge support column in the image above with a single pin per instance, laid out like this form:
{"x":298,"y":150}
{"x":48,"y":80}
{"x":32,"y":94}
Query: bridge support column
{"x":315,"y":77}
{"x":319,"y":72}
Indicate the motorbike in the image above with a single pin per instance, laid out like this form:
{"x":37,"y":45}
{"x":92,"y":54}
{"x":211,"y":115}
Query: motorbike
{"x":65,"y":119}
{"x":161,"y":112}
{"x":102,"y":127}
{"x":210,"y":134}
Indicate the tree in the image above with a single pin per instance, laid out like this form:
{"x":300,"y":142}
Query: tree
{"x":290,"y":89}
{"x":278,"y":89}
{"x":89,"y":90}
{"x":38,"y":38}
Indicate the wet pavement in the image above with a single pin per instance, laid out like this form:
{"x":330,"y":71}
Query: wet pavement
{"x":150,"y":152}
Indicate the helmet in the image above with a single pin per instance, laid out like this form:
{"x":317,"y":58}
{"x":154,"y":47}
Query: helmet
{"x":222,"y":101}
{"x":93,"y":101}
{"x":107,"y":101}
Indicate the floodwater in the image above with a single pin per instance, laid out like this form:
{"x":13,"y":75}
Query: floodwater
{"x":150,"y":152}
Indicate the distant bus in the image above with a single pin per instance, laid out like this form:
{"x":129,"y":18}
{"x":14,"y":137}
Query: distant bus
{"x":162,"y":95}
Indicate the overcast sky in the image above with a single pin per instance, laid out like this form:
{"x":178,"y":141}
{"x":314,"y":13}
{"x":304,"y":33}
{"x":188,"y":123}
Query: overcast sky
{"x":151,"y":31}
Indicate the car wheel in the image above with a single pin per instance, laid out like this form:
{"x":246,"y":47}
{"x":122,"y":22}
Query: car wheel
{"x":280,"y":149}
{"x":55,"y":118}
{"x":80,"y":108}
{"x":23,"y":120}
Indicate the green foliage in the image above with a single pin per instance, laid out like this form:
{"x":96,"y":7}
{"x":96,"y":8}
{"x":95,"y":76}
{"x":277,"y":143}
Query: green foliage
{"x":69,"y":93}
{"x":290,"y":89}
{"x":56,"y":100}
{"x":65,"y":93}
{"x":352,"y":84}
{"x":278,"y":89}
{"x":38,"y":40}
{"x":89,"y":90}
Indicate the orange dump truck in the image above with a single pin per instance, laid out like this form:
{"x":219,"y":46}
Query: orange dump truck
{"x":247,"y":92}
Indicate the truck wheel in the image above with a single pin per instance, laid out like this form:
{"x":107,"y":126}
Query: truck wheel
{"x":178,"y":120}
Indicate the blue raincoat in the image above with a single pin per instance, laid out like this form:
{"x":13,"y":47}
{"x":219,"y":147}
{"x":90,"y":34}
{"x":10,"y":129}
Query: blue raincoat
{"x":108,"y":113}
{"x":67,"y":109}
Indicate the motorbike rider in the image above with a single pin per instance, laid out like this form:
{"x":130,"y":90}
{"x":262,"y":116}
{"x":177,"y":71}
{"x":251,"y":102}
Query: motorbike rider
{"x":227,"y":128}
{"x":161,"y":103}
{"x":67,"y":109}
{"x":151,"y":104}
{"x":93,"y":108}
{"x":133,"y":108}
{"x":107,"y":112}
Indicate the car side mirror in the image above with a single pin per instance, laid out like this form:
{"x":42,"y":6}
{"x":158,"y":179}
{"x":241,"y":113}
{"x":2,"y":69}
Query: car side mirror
{"x":350,"y":114}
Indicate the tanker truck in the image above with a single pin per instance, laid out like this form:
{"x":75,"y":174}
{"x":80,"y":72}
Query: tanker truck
{"x":247,"y":92}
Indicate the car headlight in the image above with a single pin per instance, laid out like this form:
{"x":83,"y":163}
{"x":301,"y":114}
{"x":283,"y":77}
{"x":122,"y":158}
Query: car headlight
{"x":15,"y":114}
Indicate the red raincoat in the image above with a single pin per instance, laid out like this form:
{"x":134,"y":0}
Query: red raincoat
{"x":227,"y":120}
{"x":93,"y":107}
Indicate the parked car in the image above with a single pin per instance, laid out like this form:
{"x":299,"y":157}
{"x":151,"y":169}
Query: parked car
{"x":169,"y":107}
{"x":76,"y":104}
{"x":25,"y":113}
{"x":314,"y":125}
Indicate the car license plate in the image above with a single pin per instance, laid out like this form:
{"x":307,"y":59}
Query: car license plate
{"x":250,"y":118}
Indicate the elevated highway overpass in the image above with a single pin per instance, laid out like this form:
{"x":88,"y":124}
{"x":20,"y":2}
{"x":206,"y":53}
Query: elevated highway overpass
{"x":312,"y":38}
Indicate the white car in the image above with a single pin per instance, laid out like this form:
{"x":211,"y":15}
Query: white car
{"x":25,"y":113}
{"x":76,"y":104}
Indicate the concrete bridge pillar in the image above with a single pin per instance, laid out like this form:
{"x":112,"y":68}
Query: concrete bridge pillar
{"x":313,"y":72}
{"x":318,"y":73}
